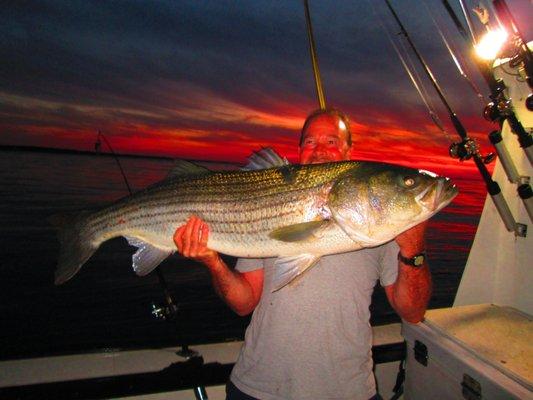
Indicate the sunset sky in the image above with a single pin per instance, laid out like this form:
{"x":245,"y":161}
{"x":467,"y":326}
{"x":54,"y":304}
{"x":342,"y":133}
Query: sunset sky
{"x":215,"y":80}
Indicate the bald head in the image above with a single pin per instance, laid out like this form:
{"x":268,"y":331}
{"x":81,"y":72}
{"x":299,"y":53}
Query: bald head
{"x":325,"y":137}
{"x":327,"y":119}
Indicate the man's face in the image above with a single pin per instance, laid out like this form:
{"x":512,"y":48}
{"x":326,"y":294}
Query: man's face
{"x":324,"y":141}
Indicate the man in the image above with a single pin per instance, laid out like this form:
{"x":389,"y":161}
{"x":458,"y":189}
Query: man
{"x":312,"y":340}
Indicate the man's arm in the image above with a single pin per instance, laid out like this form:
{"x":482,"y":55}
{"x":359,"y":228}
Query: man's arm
{"x":240,"y":291}
{"x":410,"y":294}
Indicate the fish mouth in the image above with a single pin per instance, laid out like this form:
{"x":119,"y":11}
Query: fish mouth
{"x":437,"y":195}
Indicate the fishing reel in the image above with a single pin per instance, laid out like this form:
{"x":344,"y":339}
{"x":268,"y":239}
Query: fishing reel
{"x":166,"y":312}
{"x":496,"y":110}
{"x":467,"y":149}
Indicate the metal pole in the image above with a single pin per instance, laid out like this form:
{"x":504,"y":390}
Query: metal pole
{"x":314,"y":59}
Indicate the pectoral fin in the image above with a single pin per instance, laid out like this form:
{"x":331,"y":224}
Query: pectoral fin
{"x":147,"y":257}
{"x":359,"y":233}
{"x":289,"y":268}
{"x":300,"y":232}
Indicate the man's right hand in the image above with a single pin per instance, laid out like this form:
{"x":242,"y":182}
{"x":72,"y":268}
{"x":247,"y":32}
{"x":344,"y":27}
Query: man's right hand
{"x":241,"y":291}
{"x":191,"y":241}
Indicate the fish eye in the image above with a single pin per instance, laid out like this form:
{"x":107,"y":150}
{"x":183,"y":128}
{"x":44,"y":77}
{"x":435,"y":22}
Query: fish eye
{"x":409,"y":181}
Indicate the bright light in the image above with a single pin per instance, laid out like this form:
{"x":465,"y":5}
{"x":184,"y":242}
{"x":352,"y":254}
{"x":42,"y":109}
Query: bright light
{"x":490,"y":45}
{"x":342,"y":125}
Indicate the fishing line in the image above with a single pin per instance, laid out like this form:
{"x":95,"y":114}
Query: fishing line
{"x":411,"y":66}
{"x":413,"y":76}
{"x":97,"y":146}
{"x":460,"y":64}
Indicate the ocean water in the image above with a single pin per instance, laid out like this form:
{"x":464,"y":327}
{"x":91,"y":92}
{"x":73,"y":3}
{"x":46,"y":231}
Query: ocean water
{"x":106,"y":305}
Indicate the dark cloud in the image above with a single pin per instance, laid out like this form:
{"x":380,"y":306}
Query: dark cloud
{"x":215,"y":67}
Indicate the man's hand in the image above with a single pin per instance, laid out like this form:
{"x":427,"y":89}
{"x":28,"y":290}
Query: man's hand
{"x":191,"y":241}
{"x":412,"y":241}
{"x":410,"y":294}
{"x":240,"y":291}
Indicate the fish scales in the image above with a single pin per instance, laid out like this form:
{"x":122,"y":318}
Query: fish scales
{"x":212,"y":203}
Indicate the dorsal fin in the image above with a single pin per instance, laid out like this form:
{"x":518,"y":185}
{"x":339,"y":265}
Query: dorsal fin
{"x":183,"y":168}
{"x":265,"y":158}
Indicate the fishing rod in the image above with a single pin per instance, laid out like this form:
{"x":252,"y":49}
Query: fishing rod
{"x":468,"y":21}
{"x":98,"y":145}
{"x":168,"y":311}
{"x":314,"y":58}
{"x":456,"y":20}
{"x":500,"y":109}
{"x":413,"y":76}
{"x":467,"y":148}
{"x":459,"y":64}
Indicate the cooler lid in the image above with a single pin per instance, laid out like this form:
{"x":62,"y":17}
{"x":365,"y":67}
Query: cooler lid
{"x":501,"y":336}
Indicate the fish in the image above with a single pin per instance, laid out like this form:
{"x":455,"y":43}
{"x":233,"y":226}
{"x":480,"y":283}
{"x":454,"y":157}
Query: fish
{"x":270,"y":208}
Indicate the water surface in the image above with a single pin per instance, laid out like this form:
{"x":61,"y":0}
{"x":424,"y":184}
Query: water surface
{"x":106,"y":305}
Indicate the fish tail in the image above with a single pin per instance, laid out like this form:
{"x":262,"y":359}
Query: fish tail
{"x":76,"y":245}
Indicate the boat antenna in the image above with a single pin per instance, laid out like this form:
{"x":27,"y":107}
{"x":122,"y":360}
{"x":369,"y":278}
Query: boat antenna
{"x":467,"y":148}
{"x":314,"y":58}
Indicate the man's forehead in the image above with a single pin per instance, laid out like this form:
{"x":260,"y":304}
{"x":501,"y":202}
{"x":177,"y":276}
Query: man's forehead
{"x":324,"y":123}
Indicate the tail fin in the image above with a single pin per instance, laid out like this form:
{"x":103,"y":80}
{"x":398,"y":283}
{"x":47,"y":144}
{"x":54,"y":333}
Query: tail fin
{"x":75,"y":245}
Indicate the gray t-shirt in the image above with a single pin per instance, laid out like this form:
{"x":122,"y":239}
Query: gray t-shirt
{"x":312,"y":339}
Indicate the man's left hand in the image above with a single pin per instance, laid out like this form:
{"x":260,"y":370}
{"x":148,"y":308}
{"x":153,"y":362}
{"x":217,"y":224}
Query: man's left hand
{"x":412,"y":241}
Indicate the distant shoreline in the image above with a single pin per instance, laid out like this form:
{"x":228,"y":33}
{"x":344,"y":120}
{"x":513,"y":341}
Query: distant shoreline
{"x":72,"y":151}
{"x":53,"y":150}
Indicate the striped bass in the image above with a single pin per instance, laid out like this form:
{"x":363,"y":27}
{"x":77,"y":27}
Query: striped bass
{"x":296,"y":213}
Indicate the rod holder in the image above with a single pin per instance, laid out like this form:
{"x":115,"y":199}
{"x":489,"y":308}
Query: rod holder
{"x":505,"y":212}
{"x":526,"y":194}
{"x":505,"y":159}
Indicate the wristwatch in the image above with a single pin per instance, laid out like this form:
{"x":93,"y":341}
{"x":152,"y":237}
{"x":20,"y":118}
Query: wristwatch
{"x":417,"y":261}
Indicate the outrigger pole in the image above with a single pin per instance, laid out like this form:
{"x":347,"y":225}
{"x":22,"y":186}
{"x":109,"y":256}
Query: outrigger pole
{"x":467,"y":148}
{"x":314,"y":59}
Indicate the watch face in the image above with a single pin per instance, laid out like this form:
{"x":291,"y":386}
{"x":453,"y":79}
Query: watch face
{"x":419,"y":260}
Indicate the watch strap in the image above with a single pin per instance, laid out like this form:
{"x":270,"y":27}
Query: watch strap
{"x":416,"y":261}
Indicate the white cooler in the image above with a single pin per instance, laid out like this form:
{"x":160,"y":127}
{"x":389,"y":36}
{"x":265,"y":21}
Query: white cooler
{"x":470,"y":352}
